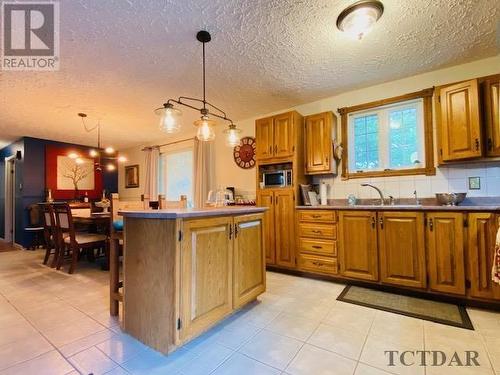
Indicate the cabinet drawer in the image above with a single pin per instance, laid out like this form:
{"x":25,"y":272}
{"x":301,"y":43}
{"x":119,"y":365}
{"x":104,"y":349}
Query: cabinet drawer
{"x":320,"y":247}
{"x":328,"y":231}
{"x":318,"y":264}
{"x":317,"y":215}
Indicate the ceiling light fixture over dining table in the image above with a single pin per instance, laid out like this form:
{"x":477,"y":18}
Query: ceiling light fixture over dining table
{"x":170,"y":123}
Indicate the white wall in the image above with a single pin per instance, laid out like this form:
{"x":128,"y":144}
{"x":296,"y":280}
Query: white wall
{"x":450,"y":178}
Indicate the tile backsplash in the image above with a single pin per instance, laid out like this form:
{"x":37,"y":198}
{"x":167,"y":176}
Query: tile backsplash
{"x":447,"y":179}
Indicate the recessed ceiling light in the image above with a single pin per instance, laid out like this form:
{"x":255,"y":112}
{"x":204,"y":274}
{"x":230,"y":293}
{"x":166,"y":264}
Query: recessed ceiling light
{"x":357,"y":19}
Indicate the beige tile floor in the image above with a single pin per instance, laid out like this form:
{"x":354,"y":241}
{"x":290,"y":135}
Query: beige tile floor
{"x":55,"y":323}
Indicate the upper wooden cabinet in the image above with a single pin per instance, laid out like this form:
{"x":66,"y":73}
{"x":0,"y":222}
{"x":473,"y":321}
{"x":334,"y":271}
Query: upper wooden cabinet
{"x":445,"y":247}
{"x":318,"y":143}
{"x":358,"y":244}
{"x":491,"y":88}
{"x":459,"y":121}
{"x":481,"y":245}
{"x":402,"y":248}
{"x":277,"y":136}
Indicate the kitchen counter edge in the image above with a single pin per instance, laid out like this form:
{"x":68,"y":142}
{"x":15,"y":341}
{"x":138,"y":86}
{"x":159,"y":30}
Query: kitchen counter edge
{"x":186,"y":213}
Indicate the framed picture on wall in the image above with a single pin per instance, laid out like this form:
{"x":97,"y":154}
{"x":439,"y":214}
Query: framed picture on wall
{"x":132,"y":176}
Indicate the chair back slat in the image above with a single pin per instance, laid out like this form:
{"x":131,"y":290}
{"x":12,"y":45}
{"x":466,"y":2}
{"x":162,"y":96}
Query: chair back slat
{"x":64,"y":222}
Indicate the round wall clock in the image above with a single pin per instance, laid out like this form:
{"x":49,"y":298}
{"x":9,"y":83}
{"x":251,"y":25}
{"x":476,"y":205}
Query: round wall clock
{"x":244,"y":153}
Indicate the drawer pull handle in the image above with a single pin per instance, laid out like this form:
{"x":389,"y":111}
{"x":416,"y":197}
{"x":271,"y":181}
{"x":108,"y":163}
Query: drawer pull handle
{"x":317,"y":247}
{"x":319,"y":264}
{"x":316,"y":231}
{"x":316,"y":216}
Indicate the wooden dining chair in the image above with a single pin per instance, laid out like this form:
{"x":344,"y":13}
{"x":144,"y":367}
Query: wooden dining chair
{"x":71,"y":241}
{"x":49,"y":233}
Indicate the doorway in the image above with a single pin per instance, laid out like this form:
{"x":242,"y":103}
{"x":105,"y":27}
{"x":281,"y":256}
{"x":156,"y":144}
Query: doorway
{"x":10,"y":199}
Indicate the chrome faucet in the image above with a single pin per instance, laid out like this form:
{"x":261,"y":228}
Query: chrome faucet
{"x":417,"y":201}
{"x":382,"y":200}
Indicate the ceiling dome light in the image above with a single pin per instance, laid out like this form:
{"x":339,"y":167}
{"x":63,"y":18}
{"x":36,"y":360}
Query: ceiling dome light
{"x":206,"y":132}
{"x":232,"y":136}
{"x":169,"y":120}
{"x":357,"y":19}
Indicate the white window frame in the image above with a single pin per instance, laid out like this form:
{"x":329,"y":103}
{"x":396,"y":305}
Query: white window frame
{"x":382,"y":113}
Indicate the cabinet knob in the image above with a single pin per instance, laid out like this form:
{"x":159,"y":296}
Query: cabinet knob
{"x":490,"y":144}
{"x":381,"y":220}
{"x":431,"y":225}
{"x":316,"y":216}
{"x":373,"y":222}
{"x":477,"y":144}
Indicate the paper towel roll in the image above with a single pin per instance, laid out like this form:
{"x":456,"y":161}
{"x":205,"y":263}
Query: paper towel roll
{"x":323,"y":194}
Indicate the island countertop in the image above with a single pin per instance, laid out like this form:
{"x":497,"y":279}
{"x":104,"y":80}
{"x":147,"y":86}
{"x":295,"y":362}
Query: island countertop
{"x":186,"y":213}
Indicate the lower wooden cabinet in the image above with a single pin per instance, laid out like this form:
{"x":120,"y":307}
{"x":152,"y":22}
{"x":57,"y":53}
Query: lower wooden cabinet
{"x":318,"y":264}
{"x":249,"y":263}
{"x":445,"y":250}
{"x":222,"y":268}
{"x":481,"y":245}
{"x":358,"y":245}
{"x":402,"y":248}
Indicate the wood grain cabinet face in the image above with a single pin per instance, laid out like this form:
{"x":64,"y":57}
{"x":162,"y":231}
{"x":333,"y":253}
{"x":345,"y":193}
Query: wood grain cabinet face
{"x":249,"y":263}
{"x":491,"y":90}
{"x":318,"y":143}
{"x":264,"y":133}
{"x":265,"y":198}
{"x":402,"y":248}
{"x":284,"y":206}
{"x":358,"y":245}
{"x":206,"y":274}
{"x":445,"y":248}
{"x":460,"y":121}
{"x":284,"y":135}
{"x":481,"y":247}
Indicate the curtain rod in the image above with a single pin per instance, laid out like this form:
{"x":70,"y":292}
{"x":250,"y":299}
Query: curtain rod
{"x":167,"y":144}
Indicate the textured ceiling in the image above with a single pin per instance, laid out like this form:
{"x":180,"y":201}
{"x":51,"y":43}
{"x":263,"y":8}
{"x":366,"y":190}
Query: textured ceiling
{"x":121,"y":59}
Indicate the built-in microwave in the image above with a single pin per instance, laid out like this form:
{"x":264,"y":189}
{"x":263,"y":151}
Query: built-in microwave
{"x":278,"y":178}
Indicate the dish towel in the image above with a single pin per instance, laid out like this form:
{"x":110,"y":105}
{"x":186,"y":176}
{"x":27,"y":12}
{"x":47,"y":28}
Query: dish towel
{"x":495,"y":272}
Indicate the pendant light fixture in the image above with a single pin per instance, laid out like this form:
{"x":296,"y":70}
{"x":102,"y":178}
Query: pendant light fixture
{"x":358,"y":19}
{"x":96,"y":153}
{"x":170,"y":116}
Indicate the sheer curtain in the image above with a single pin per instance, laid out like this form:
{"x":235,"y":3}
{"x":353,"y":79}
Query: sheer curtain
{"x":152,"y":169}
{"x":204,"y":171}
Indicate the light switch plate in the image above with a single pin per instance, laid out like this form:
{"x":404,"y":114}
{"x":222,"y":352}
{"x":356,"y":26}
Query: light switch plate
{"x":474,"y":183}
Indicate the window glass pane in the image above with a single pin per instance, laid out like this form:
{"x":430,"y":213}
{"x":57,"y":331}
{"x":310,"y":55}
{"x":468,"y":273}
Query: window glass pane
{"x":403,"y":138}
{"x":176,"y":175}
{"x":366,"y":138}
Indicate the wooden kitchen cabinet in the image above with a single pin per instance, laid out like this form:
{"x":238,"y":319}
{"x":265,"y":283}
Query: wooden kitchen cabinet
{"x":358,"y":245}
{"x":445,"y":251}
{"x":401,"y":238}
{"x":284,"y":216}
{"x":277,"y":137}
{"x":264,"y":134}
{"x":318,"y":143}
{"x":249,"y":263}
{"x":265,"y":198}
{"x":279,"y":225}
{"x":482,"y":232}
{"x":491,"y":89}
{"x":459,"y":121}
{"x":206,"y":272}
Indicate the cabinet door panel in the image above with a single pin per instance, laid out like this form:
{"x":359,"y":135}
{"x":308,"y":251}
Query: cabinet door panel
{"x":285,"y":227}
{"x":206,"y":264}
{"x":249,"y":259}
{"x":402,"y":248}
{"x":481,"y":237}
{"x":284,"y":135}
{"x":266,"y":199}
{"x":264,"y":135}
{"x":446,"y":252}
{"x":492,"y":116}
{"x":460,"y":125}
{"x":318,"y":143}
{"x":358,"y":245}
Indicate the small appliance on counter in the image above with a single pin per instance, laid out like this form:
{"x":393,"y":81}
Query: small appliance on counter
{"x":276,"y":176}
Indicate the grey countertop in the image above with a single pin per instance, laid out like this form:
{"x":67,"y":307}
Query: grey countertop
{"x":183,"y":213}
{"x":406,"y":204}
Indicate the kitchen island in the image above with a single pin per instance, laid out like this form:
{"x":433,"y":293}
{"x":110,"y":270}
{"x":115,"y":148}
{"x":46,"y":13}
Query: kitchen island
{"x":184,"y":270}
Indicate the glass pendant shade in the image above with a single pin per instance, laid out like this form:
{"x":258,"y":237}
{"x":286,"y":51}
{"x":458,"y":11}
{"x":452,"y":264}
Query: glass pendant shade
{"x":233,"y":136}
{"x":169,"y":119}
{"x":206,"y":131}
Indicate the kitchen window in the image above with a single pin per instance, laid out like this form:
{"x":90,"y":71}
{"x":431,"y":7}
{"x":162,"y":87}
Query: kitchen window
{"x":389,"y":138}
{"x":176,"y":175}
